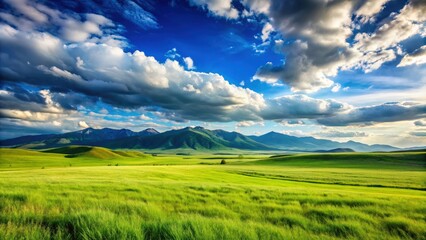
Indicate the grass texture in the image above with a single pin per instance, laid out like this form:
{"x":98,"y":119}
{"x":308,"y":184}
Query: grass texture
{"x":96,"y":193}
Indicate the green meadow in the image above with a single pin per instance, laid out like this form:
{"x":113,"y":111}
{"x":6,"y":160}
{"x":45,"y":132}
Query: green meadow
{"x":97,"y":193}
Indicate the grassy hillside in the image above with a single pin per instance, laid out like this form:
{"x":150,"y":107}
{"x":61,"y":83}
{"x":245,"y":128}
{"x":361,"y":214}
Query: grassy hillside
{"x":397,"y":160}
{"x":95,"y":152}
{"x":177,"y":139}
{"x":72,"y":156}
{"x":77,"y":156}
{"x":250,"y":197}
{"x":84,"y":151}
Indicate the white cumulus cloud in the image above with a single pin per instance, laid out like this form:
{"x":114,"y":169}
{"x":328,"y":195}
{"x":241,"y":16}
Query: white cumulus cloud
{"x":83,"y":124}
{"x":418,"y":57}
{"x":189,"y":63}
{"x":222,"y":8}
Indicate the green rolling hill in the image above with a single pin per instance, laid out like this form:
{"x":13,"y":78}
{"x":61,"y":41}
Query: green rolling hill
{"x":189,"y":138}
{"x":394,"y":160}
{"x":84,"y":151}
{"x":196,"y":138}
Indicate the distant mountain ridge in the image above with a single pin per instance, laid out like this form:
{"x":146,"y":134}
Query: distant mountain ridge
{"x":336,"y":150}
{"x":287,"y":142}
{"x":82,"y":137}
{"x":197,"y":138}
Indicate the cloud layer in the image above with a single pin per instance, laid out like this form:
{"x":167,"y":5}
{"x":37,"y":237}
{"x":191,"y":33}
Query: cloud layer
{"x":388,"y":112}
{"x":316,"y":34}
{"x":57,"y":63}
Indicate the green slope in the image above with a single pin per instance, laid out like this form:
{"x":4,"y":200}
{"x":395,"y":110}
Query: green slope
{"x":411,"y":160}
{"x":72,"y":156}
{"x":85,"y":151}
{"x":237,"y":140}
{"x":197,"y":138}
{"x":203,"y":201}
{"x":94,"y":152}
{"x":189,"y":138}
{"x":169,"y":140}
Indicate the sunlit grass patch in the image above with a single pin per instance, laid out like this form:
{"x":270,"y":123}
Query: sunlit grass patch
{"x":209,"y":202}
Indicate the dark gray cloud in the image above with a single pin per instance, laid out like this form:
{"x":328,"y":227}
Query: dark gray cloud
{"x":16,"y":128}
{"x":26,"y":95}
{"x":300,"y":71}
{"x":295,"y":122}
{"x":420,"y":123}
{"x":15,"y":97}
{"x":72,"y":100}
{"x":388,"y":112}
{"x":316,"y":34}
{"x":301,"y":106}
{"x":129,"y":80}
{"x":40,"y":105}
{"x":320,"y":29}
{"x":134,"y":80}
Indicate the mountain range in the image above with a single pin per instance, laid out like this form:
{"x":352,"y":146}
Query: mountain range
{"x":197,"y":138}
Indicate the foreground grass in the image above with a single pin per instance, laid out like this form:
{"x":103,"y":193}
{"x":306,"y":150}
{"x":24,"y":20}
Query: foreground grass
{"x":240,"y":200}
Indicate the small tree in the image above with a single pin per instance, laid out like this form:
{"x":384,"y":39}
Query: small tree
{"x":223,"y":161}
{"x":240,"y":156}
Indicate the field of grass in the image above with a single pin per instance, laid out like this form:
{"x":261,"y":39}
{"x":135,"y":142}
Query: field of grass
{"x":96,"y":193}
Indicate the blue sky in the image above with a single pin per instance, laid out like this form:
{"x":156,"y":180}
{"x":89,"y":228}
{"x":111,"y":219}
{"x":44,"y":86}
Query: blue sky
{"x":341,"y":70}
